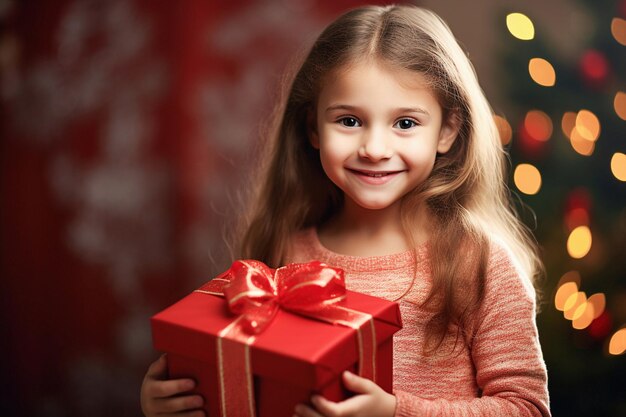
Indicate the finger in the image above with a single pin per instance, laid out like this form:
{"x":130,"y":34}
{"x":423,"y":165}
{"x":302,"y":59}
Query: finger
{"x":353,"y":406}
{"x":358,"y":384}
{"x":305,"y":411}
{"x":178,"y":404}
{"x":326,"y":407}
{"x":163,"y":389}
{"x":158,"y":368}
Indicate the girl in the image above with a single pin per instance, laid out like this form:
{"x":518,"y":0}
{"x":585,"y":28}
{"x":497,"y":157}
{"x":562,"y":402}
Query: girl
{"x":386,"y":162}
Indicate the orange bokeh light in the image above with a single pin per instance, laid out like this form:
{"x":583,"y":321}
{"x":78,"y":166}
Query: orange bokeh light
{"x":598,"y":301}
{"x":565,"y":291}
{"x":504,"y":129}
{"x":617,"y":345}
{"x":619,"y":104}
{"x":568,"y":122}
{"x":542,"y":72}
{"x":583,"y":316}
{"x":538,"y":125}
{"x":588,"y":125}
{"x":572,"y":303}
{"x":618,"y":166}
{"x":579,"y":242}
{"x":618,"y":30}
{"x":580,"y":144}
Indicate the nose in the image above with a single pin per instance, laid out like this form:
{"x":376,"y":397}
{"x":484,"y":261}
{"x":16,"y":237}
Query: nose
{"x":375,"y":146}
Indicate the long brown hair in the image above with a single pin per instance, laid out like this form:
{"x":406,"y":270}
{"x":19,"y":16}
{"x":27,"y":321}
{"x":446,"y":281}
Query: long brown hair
{"x":466,"y":192}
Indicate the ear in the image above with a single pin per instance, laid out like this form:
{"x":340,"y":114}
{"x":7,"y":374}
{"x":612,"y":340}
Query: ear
{"x":449,"y":132}
{"x":311,"y":127}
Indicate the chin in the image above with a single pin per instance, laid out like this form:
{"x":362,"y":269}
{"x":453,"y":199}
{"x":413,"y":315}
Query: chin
{"x":374,"y":205}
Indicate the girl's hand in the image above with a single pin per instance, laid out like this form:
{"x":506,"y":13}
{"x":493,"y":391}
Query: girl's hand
{"x":371,"y":401}
{"x":160,"y":396}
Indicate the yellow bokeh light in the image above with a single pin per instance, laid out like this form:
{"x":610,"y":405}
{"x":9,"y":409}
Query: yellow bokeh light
{"x":581,"y":309}
{"x":564,"y":292}
{"x":617,"y":345}
{"x":568,"y":122}
{"x":619,"y":104}
{"x":542,"y":72}
{"x":520,"y":26}
{"x":618,"y":166}
{"x":598,"y":301}
{"x":588,"y":125}
{"x":618,"y":30}
{"x":572,"y":303}
{"x":583,"y":316}
{"x":538,"y":125}
{"x":504,"y":128}
{"x":580,"y":144}
{"x":579,"y":242}
{"x":527,"y":179}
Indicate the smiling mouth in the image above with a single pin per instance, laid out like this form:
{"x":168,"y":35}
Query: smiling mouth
{"x":373,"y":174}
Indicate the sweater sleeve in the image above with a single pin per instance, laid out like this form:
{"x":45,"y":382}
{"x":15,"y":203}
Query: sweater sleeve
{"x":510,"y":371}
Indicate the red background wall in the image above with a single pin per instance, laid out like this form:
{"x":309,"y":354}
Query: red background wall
{"x":125,"y":130}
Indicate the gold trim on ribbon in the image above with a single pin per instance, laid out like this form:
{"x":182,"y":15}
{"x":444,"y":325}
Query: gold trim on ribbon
{"x":220,"y":294}
{"x":249,"y":382}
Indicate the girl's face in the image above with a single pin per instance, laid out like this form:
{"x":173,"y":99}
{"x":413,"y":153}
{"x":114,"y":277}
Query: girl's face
{"x":378,"y":130}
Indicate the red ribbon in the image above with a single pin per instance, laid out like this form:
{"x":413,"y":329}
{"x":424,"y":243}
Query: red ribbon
{"x":255,"y":292}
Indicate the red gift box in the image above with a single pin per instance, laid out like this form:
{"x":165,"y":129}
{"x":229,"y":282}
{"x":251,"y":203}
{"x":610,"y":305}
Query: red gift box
{"x":294,"y":357}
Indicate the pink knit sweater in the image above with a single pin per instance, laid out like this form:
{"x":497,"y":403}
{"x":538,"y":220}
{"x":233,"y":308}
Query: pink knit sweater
{"x":499,"y":373}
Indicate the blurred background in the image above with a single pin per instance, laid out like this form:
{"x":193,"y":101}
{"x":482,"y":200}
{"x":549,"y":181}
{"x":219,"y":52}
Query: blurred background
{"x":127,"y":127}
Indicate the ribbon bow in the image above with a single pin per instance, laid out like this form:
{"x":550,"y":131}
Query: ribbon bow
{"x":256,"y":291}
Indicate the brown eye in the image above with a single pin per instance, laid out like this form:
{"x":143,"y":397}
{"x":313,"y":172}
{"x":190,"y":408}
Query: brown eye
{"x":405,"y":124}
{"x":349,"y":122}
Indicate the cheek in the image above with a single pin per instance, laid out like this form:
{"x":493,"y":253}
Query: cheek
{"x":335,"y":149}
{"x":419,"y":155}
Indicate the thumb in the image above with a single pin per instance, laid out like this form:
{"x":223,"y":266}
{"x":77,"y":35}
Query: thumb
{"x":158,"y":368}
{"x":358,"y":384}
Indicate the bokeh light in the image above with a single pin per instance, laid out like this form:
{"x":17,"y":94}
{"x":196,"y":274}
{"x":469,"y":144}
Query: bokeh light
{"x":572,"y":303}
{"x":570,"y":276}
{"x":619,"y":104}
{"x":617,"y":345}
{"x":598,"y":301}
{"x":527,"y":179}
{"x":594,"y":67}
{"x":504,"y":129}
{"x":564,"y":292}
{"x":583,"y":316}
{"x":588,"y":125}
{"x":542,"y":72}
{"x":575,"y":305}
{"x":520,"y":26}
{"x":579,"y":242}
{"x":582,"y":129}
{"x":568,"y":122}
{"x":538,"y":125}
{"x":618,"y":166}
{"x":618,"y":30}
{"x":580,"y":144}
{"x":576,"y":217}
{"x":601,"y":327}
{"x":578,"y":198}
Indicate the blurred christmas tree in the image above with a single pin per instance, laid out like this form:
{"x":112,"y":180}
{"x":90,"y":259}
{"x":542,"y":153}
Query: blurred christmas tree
{"x":567,"y":136}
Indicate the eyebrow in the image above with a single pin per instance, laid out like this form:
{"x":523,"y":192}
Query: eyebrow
{"x":401,"y":109}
